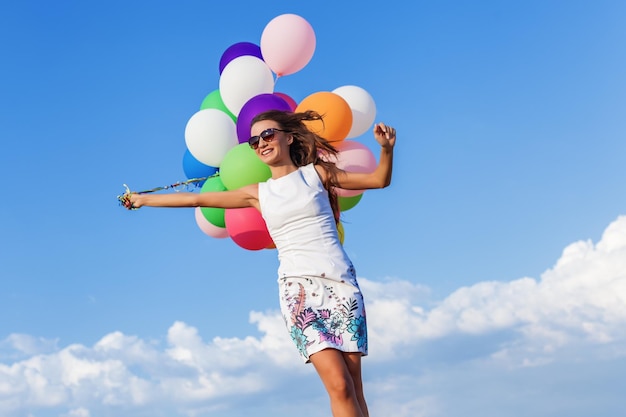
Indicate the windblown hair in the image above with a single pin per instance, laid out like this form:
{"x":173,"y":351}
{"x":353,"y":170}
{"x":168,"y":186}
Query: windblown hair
{"x":308,"y":147}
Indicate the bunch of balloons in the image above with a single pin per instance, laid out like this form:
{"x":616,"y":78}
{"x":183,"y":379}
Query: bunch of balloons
{"x":216,"y":136}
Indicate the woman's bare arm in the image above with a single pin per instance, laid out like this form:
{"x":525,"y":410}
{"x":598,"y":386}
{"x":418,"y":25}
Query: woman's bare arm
{"x":381,"y":176}
{"x":244,"y":197}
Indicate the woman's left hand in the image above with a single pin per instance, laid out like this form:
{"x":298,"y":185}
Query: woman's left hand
{"x":385,"y":135}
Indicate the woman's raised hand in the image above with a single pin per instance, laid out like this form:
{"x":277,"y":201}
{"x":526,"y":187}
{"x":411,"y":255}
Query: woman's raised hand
{"x":385,"y":135}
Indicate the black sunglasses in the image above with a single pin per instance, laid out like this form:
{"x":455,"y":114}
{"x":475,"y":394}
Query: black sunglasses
{"x":267,"y":135}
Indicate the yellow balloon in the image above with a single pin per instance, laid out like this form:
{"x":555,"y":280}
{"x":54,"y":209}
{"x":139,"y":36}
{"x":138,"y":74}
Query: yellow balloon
{"x":341,"y":232}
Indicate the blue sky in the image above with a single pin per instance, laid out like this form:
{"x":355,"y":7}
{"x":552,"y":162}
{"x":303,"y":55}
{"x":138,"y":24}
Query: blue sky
{"x":493,"y":266}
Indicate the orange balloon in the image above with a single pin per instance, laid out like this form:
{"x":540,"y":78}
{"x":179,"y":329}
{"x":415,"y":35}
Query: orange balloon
{"x":335,"y":111}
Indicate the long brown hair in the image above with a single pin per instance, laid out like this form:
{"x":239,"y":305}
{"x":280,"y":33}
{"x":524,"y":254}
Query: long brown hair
{"x":308,"y":147}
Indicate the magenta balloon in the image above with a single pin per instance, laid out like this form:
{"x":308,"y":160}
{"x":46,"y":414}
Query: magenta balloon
{"x":292,"y":103}
{"x":237,"y":50}
{"x":256,"y":105}
{"x":247,"y":228}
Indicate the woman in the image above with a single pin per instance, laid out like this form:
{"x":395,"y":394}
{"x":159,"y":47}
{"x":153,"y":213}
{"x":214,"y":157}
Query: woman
{"x":320,"y":298}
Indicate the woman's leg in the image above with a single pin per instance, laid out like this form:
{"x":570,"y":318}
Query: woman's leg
{"x":353,"y":360}
{"x":336,"y":376}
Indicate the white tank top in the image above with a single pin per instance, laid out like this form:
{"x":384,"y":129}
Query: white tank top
{"x":300,"y":220}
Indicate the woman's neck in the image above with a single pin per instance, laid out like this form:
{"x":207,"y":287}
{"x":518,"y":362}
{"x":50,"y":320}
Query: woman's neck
{"x":281,"y":170}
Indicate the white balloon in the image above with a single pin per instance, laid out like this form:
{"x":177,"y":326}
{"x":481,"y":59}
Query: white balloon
{"x":209,"y":135}
{"x":363,"y":108}
{"x":243,"y":78}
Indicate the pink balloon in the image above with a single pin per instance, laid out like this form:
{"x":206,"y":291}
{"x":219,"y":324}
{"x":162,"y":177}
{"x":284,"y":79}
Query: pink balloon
{"x":208,"y":227}
{"x":287,"y":44}
{"x":354,"y":156}
{"x":247,"y":228}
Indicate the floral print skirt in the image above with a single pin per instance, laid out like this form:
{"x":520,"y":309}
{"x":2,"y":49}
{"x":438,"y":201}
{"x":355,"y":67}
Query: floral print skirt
{"x":322,"y":313}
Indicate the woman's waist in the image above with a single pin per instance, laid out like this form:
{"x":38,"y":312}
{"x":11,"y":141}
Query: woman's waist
{"x":305,"y":263}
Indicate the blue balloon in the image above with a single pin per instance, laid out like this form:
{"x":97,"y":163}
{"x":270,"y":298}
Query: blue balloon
{"x":196,"y":169}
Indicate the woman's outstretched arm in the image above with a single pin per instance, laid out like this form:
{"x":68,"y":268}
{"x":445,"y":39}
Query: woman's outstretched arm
{"x":244,"y":197}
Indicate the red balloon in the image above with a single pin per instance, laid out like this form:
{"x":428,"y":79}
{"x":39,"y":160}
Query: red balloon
{"x":247,"y":228}
{"x":292,"y":103}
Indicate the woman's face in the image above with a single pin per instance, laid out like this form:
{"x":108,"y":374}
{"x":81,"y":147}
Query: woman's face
{"x":272,"y":144}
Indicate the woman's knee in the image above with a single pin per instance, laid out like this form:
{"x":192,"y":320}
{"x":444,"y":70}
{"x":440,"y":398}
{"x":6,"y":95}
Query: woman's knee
{"x":334,"y":373}
{"x":341,"y":386}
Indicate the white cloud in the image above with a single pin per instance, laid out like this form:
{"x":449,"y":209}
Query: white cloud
{"x":23,"y":345}
{"x":582,"y":297}
{"x":577,"y":306}
{"x":78,"y":412}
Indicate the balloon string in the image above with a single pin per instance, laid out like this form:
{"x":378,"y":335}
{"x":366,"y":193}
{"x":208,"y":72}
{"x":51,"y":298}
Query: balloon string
{"x":189,"y":182}
{"x":124,"y":199}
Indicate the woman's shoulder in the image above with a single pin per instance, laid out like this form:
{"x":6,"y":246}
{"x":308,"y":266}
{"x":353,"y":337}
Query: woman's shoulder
{"x":252,"y":190}
{"x":322,"y":172}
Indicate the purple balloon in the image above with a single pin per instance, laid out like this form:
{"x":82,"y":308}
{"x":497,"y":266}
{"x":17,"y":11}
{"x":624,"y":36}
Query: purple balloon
{"x":239,"y":49}
{"x":253,"y":107}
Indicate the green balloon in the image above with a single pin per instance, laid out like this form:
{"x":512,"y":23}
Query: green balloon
{"x":214,"y":215}
{"x":214,"y":101}
{"x":346,"y":203}
{"x":241,"y":166}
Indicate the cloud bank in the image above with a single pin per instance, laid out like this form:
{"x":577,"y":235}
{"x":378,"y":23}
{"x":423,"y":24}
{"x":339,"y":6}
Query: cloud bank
{"x":516,"y":331}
